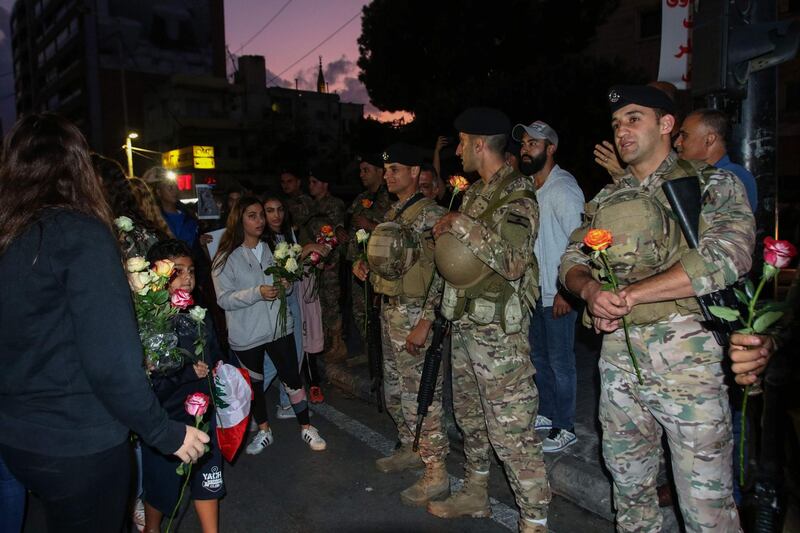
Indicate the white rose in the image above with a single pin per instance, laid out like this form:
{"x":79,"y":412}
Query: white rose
{"x":297,"y":249}
{"x":136,"y":264}
{"x":197,"y":313}
{"x":281,"y":251}
{"x":139,"y":282}
{"x":362,"y":236}
{"x":123,"y":224}
{"x":291,"y":265}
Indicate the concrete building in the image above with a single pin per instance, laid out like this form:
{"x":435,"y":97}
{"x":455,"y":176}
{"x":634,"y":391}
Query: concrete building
{"x":94,"y":60}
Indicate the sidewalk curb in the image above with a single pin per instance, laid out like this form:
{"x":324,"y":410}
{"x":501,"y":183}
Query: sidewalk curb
{"x":580,"y":482}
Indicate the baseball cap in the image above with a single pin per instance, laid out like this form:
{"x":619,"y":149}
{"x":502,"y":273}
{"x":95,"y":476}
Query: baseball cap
{"x":537,"y":130}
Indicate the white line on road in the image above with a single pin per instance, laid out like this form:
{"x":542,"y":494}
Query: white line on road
{"x":501,"y":513}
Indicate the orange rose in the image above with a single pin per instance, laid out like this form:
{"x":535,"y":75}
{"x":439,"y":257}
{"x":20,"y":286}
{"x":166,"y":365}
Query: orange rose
{"x":163,"y":268}
{"x":598,"y":239}
{"x":326,"y":230}
{"x":366,"y":203}
{"x":459,"y":183}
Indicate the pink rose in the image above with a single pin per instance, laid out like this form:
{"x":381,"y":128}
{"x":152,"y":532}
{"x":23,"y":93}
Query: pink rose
{"x":196,"y":404}
{"x":181,"y":299}
{"x":315,"y":258}
{"x":778,"y":253}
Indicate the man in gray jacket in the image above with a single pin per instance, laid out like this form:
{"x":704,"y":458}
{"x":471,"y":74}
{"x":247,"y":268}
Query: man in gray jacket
{"x":552,"y":330}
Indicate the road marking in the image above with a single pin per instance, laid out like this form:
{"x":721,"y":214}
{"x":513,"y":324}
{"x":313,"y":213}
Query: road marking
{"x":501,"y":513}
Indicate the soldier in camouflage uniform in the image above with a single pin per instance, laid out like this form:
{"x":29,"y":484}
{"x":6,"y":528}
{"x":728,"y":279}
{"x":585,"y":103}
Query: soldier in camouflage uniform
{"x":328,"y":210}
{"x":300,"y":205}
{"x":366,"y":212}
{"x":682,"y":391}
{"x":406,"y":319}
{"x":494,"y":397}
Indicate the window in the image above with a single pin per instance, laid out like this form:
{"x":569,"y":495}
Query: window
{"x":650,"y":23}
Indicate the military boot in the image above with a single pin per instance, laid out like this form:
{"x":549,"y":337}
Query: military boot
{"x":337,"y":351}
{"x":528,"y":526}
{"x":472,"y":500}
{"x":434,"y":484}
{"x":401,"y":459}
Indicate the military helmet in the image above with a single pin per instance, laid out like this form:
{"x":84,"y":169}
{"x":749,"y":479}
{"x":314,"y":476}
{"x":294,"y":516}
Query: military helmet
{"x":646,"y":237}
{"x":457,"y":264}
{"x":392,"y":250}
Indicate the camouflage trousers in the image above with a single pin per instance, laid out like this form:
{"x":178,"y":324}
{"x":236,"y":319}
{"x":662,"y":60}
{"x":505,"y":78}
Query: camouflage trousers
{"x":690,"y":403}
{"x":359,"y":308}
{"x":495,"y":401}
{"x":402,"y":372}
{"x":329,"y":293}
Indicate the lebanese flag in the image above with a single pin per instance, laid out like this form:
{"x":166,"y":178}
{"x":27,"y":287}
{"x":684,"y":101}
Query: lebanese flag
{"x":232,"y":394}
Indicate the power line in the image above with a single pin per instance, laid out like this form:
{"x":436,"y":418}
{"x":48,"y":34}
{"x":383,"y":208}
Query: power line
{"x":264,"y":27}
{"x":325,"y":40}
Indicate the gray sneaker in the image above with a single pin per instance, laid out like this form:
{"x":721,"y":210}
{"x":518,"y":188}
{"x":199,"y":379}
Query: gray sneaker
{"x":285,"y":413}
{"x":261,"y":440}
{"x":542,"y":422}
{"x":557,"y":440}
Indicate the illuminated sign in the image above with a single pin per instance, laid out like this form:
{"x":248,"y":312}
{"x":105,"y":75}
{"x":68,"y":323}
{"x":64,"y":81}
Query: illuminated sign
{"x":184,"y":182}
{"x":199,"y":157}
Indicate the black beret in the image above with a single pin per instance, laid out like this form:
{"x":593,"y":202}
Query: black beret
{"x":621,"y":95}
{"x":376,"y":160}
{"x":482,"y":121}
{"x":402,"y":153}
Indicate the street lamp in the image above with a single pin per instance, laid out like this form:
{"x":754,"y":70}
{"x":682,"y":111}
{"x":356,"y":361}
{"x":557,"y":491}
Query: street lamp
{"x":129,"y":150}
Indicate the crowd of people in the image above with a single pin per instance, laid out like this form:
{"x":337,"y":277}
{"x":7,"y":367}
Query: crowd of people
{"x":504,"y":269}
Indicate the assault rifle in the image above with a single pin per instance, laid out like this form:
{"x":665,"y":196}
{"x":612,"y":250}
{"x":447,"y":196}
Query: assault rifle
{"x":430,"y":372}
{"x":683,"y":195}
{"x":374,"y":346}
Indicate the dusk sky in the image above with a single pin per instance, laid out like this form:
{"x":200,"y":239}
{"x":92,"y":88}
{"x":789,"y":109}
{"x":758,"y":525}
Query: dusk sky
{"x":298,"y":27}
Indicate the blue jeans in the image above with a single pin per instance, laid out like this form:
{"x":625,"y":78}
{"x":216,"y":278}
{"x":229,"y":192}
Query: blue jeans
{"x":12,"y":501}
{"x":553,"y":355}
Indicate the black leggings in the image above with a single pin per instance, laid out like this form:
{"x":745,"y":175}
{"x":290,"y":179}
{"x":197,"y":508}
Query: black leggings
{"x":311,"y":370}
{"x":282,"y":353}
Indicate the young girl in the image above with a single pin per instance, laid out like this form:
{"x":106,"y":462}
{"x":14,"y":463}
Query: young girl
{"x":305,"y":308}
{"x":160,"y":482}
{"x":248,"y":297}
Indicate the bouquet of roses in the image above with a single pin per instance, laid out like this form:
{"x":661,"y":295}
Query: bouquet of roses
{"x":287,"y":268}
{"x":155,"y":310}
{"x":316,"y":261}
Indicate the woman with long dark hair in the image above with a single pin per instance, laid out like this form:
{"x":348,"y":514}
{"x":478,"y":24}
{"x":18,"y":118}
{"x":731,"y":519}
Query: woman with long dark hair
{"x":248,"y":296}
{"x":304,"y":302}
{"x":72,"y":381}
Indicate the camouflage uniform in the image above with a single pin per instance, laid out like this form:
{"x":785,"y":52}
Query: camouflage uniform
{"x":378,"y":205}
{"x":683,"y":389}
{"x":402,"y":371}
{"x":494,"y":397}
{"x":329,"y":210}
{"x":301,"y":207}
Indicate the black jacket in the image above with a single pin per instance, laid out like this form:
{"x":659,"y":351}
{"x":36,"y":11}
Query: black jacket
{"x":71,"y":378}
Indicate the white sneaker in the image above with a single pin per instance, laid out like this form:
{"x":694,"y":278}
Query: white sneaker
{"x":259,"y":442}
{"x":557,"y":440}
{"x":312,"y":438}
{"x":138,"y":514}
{"x":542,"y":422}
{"x":285,"y":413}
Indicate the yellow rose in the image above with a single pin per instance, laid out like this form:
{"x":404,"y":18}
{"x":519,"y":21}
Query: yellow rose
{"x":136,"y":264}
{"x":139,"y":282}
{"x":163,"y":268}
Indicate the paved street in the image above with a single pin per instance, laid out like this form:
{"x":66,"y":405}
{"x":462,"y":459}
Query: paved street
{"x":290,"y":489}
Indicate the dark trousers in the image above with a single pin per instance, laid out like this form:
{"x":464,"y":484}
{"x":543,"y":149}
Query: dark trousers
{"x":84,"y":494}
{"x":283,"y":355}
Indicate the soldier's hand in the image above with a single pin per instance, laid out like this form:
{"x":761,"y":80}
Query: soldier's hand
{"x":606,"y":157}
{"x":604,"y":304}
{"x":193,"y":446}
{"x":603,"y":325}
{"x":750,"y":355}
{"x":445,"y":224}
{"x":561,"y":306}
{"x":361,"y":270}
{"x":321,"y":249}
{"x":416,"y":338}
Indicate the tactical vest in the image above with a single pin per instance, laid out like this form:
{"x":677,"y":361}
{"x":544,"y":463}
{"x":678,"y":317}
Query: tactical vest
{"x":415,"y":282}
{"x":495,"y":298}
{"x":647,"y":239}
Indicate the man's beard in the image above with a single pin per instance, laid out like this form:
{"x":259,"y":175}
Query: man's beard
{"x":531,"y":166}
